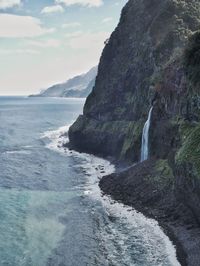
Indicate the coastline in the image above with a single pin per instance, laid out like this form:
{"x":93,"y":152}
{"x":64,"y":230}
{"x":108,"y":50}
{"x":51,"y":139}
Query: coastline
{"x":120,"y":168}
{"x":104,"y":183}
{"x":173,"y":247}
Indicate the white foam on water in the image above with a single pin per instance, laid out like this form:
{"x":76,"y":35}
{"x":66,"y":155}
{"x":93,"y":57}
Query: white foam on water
{"x":147,"y":229}
{"x":18,"y":152}
{"x":24,"y":150}
{"x":27,"y":147}
{"x":57,"y":138}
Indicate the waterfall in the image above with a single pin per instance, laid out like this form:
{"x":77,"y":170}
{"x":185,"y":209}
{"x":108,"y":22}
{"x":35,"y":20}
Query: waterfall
{"x":145,"y":138}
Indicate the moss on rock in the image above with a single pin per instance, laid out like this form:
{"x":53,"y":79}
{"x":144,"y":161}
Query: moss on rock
{"x":190,"y":149}
{"x":121,"y":139}
{"x":132,"y":141}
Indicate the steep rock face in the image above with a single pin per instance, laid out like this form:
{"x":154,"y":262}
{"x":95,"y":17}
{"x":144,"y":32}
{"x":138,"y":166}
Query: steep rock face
{"x":169,"y":189}
{"x":140,"y":64}
{"x":152,"y":58}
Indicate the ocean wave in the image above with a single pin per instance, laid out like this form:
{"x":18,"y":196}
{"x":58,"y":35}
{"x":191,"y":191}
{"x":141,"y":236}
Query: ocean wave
{"x":26,"y":152}
{"x":57,"y":138}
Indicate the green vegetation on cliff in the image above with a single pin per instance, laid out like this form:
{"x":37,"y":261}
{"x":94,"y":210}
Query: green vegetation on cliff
{"x":132,"y":140}
{"x":190,"y":148}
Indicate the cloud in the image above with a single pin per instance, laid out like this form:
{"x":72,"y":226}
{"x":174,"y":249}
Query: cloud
{"x":73,"y":34}
{"x":89,"y":40}
{"x":105,"y":20}
{"x":15,"y":26}
{"x":4,"y":4}
{"x":86,"y":3}
{"x":51,"y":43}
{"x":52,"y":9}
{"x":71,"y":25}
{"x":18,"y":51}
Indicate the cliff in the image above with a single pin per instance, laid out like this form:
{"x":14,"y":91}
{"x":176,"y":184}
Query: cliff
{"x":149,"y":37}
{"x":151,"y":59}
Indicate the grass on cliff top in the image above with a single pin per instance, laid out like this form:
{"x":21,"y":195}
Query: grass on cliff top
{"x":190,"y":149}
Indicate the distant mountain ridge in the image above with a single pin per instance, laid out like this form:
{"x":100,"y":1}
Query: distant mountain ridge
{"x":78,"y":86}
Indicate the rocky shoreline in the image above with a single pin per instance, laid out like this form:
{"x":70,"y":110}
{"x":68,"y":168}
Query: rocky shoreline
{"x":153,"y":193}
{"x":134,"y":187}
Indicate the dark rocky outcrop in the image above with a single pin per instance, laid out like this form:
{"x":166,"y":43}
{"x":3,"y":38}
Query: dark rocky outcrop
{"x":152,"y":58}
{"x":149,"y":187}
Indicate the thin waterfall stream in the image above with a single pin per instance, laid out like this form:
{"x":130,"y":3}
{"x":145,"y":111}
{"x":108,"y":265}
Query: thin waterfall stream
{"x":145,"y":138}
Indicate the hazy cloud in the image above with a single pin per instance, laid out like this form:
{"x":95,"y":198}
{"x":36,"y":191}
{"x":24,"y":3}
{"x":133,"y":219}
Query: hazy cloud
{"x":89,"y":40}
{"x":4,"y":4}
{"x":18,"y":51}
{"x":87,"y":3}
{"x":51,"y":43}
{"x":15,"y":26}
{"x":71,"y":25}
{"x":105,"y":20}
{"x":74,"y":34}
{"x":52,"y":9}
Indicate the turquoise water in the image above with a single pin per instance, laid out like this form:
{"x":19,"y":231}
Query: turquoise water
{"x":51,"y":209}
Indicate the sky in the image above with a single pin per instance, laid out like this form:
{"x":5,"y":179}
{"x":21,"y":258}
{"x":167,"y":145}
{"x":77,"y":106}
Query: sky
{"x":44,"y":42}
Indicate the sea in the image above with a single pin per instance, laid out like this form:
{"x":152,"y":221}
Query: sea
{"x":52,"y":211}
